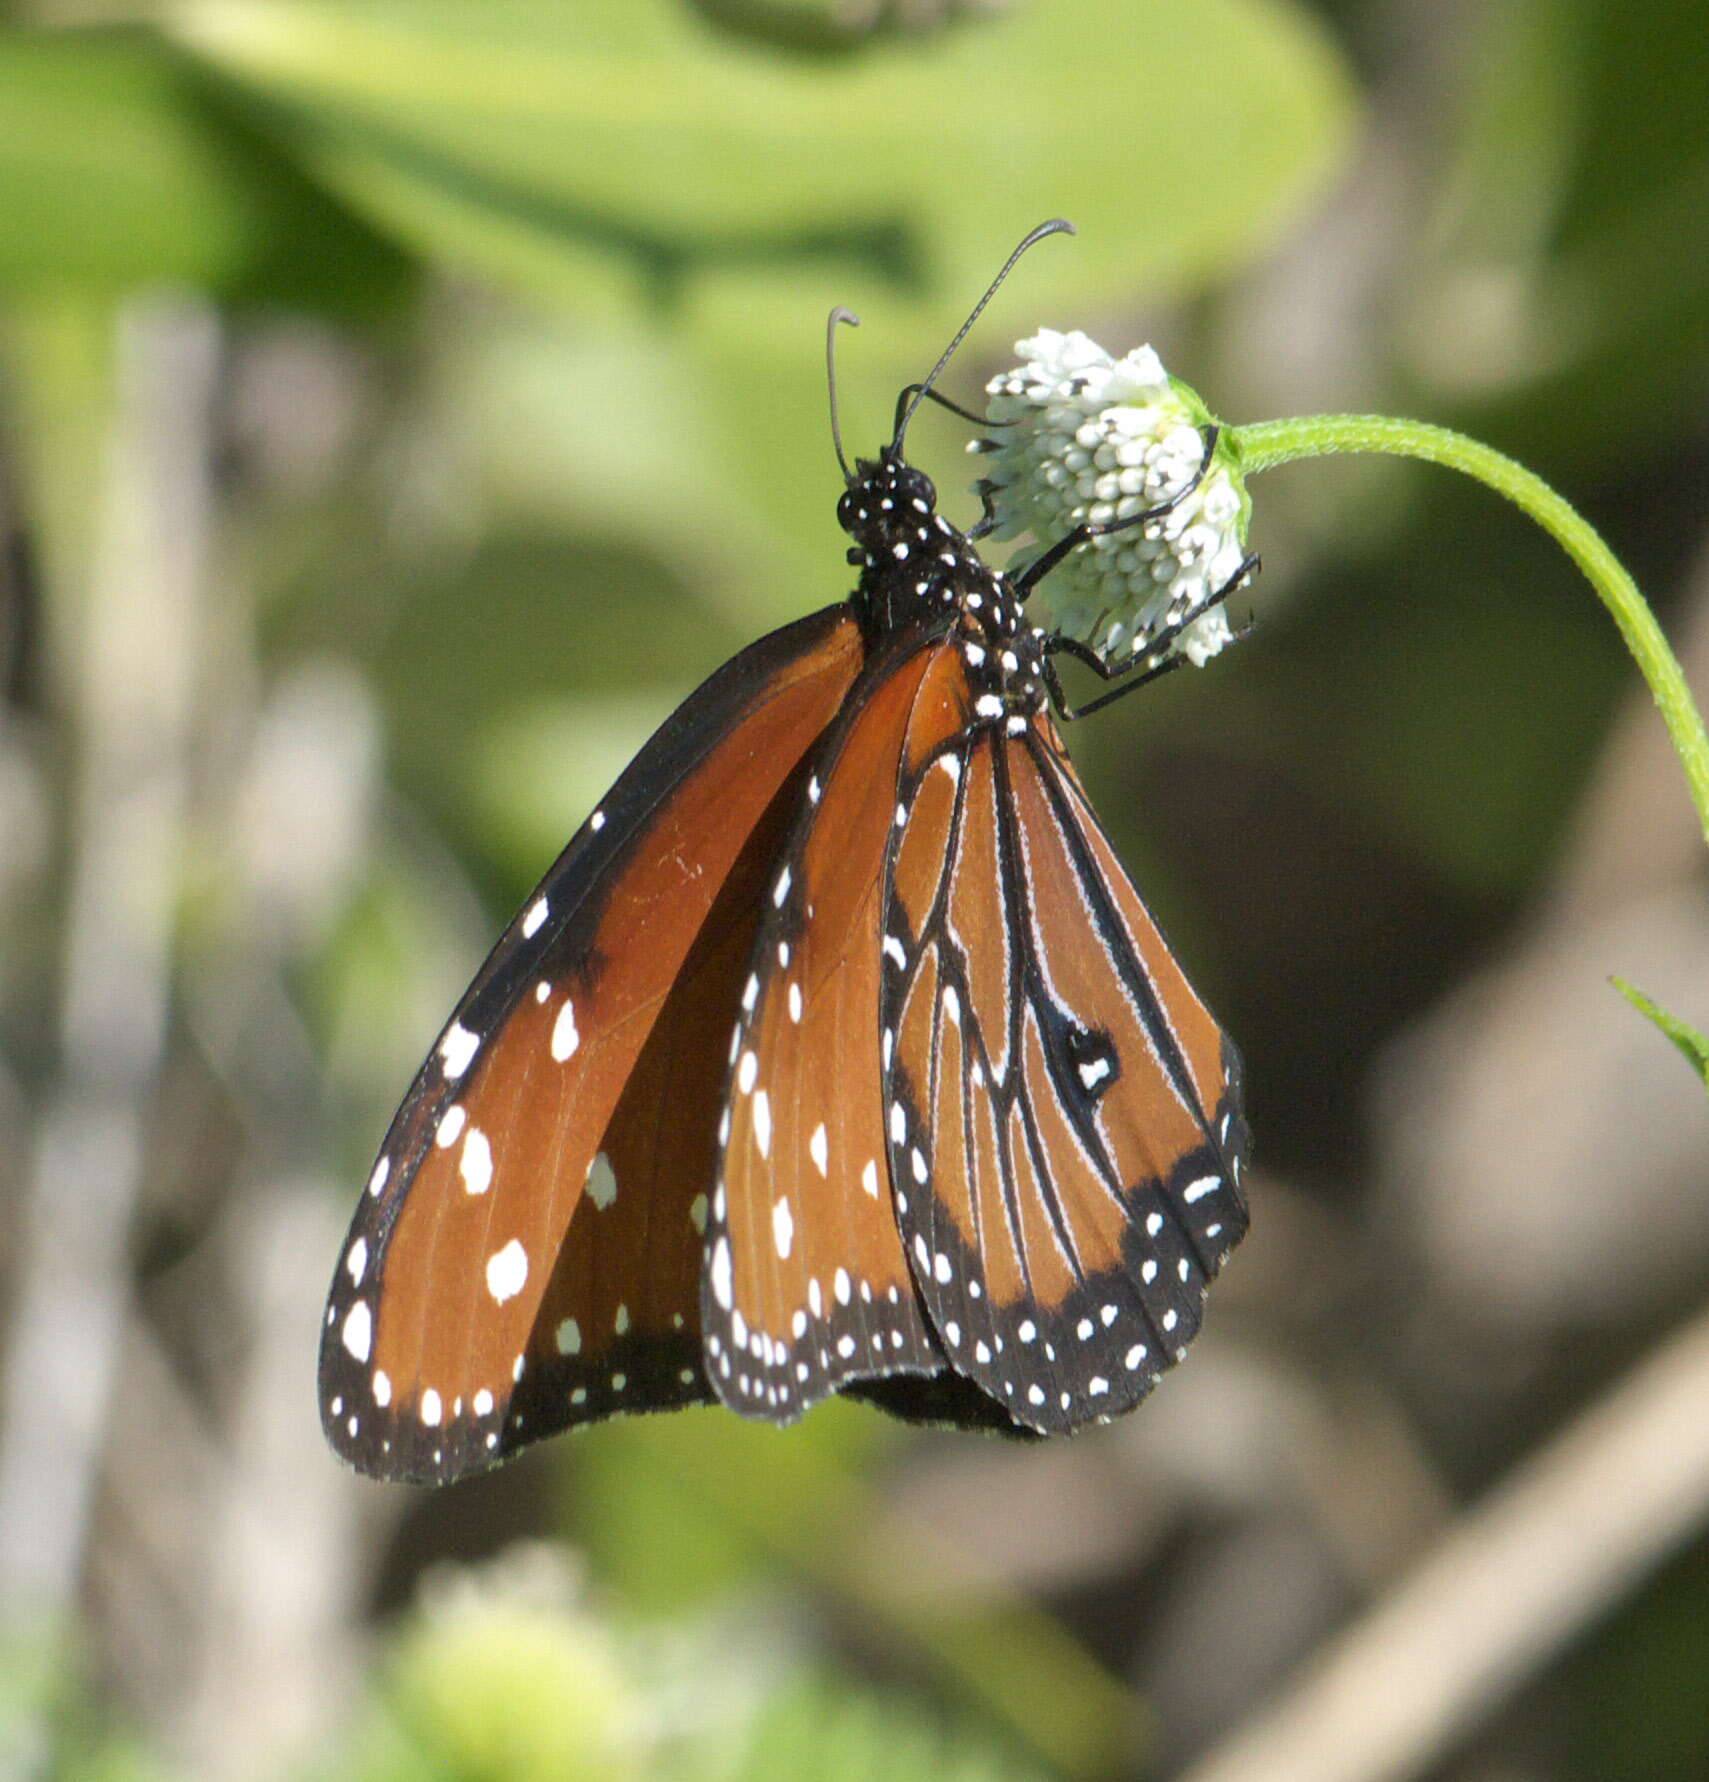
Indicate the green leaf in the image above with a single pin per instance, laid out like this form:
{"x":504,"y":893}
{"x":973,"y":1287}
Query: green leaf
{"x":120,"y":167}
{"x":1690,"y":1042}
{"x":592,"y":150}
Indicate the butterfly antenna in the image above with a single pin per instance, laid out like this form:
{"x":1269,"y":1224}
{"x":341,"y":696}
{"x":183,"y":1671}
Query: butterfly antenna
{"x":1056,"y":226}
{"x":839,"y":314}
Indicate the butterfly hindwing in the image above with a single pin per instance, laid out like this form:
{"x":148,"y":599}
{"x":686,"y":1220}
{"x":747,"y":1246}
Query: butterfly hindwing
{"x":1065,"y":1131}
{"x":528,"y":1253}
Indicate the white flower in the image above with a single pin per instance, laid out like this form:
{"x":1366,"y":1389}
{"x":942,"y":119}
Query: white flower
{"x":1091,"y":438}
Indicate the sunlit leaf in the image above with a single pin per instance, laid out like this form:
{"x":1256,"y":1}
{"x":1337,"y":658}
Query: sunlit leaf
{"x":1692,"y":1044}
{"x":622,"y":144}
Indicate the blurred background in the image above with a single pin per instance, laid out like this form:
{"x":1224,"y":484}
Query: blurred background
{"x":403,"y":403}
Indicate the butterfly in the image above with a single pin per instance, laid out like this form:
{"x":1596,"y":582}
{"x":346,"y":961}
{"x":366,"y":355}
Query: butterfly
{"x":834,"y":1054}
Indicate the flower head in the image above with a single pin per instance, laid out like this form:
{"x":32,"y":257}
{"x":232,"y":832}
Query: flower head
{"x":1082,"y":437}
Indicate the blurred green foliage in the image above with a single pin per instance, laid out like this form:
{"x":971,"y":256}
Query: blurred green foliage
{"x":53,"y":1722}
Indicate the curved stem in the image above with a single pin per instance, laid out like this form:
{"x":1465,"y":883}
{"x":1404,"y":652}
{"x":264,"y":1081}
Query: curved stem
{"x":1269,"y":443}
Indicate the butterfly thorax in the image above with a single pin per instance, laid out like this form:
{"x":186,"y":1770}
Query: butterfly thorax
{"x":920,"y":574}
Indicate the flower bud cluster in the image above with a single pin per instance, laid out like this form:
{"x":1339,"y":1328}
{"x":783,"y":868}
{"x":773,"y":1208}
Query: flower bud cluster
{"x":1081,"y":437}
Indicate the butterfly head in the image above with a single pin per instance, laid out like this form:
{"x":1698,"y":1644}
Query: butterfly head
{"x":888,"y":504}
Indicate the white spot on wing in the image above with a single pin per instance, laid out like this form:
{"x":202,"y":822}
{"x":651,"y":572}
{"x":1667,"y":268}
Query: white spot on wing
{"x":476,"y":1164}
{"x":565,"y":1039}
{"x":1199,"y":1189}
{"x":450,"y":1124}
{"x":782,"y":1227}
{"x":569,"y":1337}
{"x":818,"y":1147}
{"x":359,"y":1330}
{"x":432,"y":1408}
{"x":377,"y":1181}
{"x":601,"y":1182}
{"x":869,"y":1177}
{"x":507,"y":1270}
{"x":538,"y":911}
{"x":357,"y":1261}
{"x":762,"y":1121}
{"x":457,"y":1048}
{"x":721,"y":1285}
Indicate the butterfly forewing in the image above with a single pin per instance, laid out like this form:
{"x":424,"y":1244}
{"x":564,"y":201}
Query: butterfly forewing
{"x":806,"y":1285}
{"x":1065,"y":1134}
{"x":618,"y":1327}
{"x":528,"y":1252}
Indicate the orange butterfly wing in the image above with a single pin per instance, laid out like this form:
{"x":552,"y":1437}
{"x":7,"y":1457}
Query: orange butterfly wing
{"x":529,"y":1252}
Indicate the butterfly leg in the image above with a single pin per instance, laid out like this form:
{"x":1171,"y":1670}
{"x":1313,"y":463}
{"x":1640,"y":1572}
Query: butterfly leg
{"x":1144,"y":666}
{"x":985,"y":489}
{"x":1041,"y":566}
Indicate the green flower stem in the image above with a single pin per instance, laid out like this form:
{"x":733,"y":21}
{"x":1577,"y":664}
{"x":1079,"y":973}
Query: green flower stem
{"x":1269,"y":443}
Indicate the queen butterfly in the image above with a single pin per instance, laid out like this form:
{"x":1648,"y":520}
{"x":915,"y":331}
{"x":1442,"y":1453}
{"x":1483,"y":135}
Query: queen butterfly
{"x":834,"y":1053}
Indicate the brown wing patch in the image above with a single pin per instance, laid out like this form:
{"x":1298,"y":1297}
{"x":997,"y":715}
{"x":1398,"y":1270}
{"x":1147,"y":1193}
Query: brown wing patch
{"x":619,"y":1324}
{"x":1201,"y":1042}
{"x":806,"y":1286}
{"x":463,"y":1270}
